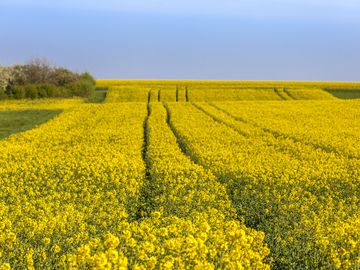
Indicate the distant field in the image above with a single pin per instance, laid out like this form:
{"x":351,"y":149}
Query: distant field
{"x":141,"y":91}
{"x":16,"y":121}
{"x":183,"y":175}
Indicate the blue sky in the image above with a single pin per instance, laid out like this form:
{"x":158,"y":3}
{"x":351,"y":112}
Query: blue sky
{"x":204,"y":39}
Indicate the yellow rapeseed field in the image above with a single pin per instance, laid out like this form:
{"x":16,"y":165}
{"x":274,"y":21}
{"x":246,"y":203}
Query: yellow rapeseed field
{"x":185,"y":175}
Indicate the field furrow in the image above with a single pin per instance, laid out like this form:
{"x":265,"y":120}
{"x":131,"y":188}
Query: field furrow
{"x":292,"y":200}
{"x":74,"y":178}
{"x":182,"y":175}
{"x":186,"y":220}
{"x":295,"y":147}
{"x":282,"y":94}
{"x":316,"y":124}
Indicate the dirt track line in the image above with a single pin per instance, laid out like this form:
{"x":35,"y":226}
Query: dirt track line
{"x":280,"y":135}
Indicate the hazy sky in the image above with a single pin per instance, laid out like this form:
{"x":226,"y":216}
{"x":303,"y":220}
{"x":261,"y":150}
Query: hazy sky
{"x":187,"y":39}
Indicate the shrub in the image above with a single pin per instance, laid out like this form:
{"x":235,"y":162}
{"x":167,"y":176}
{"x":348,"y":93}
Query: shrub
{"x":31,"y":91}
{"x":2,"y":94}
{"x":43,"y":90}
{"x":37,"y":71}
{"x":62,"y":77}
{"x":5,"y":78}
{"x":83,"y":88}
{"x":18,"y":91}
{"x":38,"y":79}
{"x":50,"y":90}
{"x":88,"y":77}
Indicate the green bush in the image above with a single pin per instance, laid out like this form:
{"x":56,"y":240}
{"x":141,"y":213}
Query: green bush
{"x":18,"y":91}
{"x":62,"y":77}
{"x":31,"y":91}
{"x":2,"y":95}
{"x":42,"y":90}
{"x":38,"y":79}
{"x":87,"y":77}
{"x":50,"y":90}
{"x":83,"y":88}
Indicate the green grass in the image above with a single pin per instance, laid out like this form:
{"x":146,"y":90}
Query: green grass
{"x":16,"y":121}
{"x":345,"y":94}
{"x":98,"y":96}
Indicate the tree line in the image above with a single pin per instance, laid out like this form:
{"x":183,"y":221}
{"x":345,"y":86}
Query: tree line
{"x":39,"y":79}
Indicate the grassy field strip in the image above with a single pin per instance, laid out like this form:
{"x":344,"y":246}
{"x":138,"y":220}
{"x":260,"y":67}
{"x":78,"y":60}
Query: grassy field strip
{"x":74,"y":178}
{"x":332,"y":129}
{"x":98,"y":96}
{"x":345,"y":94}
{"x":294,"y":201}
{"x":15,"y":121}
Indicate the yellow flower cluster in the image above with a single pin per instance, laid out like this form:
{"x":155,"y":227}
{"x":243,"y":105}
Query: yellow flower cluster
{"x":333,"y":126}
{"x":144,"y":94}
{"x":211,"y":91}
{"x":127,"y":94}
{"x":71,"y":179}
{"x":308,"y":93}
{"x":303,"y":196}
{"x":170,"y":242}
{"x":74,"y":195}
{"x":233,"y":94}
{"x":188,"y":221}
{"x":226,"y":185}
{"x":219,"y":84}
{"x":340,"y":242}
{"x":38,"y":104}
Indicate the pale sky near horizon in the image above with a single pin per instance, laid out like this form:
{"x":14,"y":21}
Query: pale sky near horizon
{"x":203,"y":39}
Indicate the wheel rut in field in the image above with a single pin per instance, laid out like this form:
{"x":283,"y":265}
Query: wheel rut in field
{"x":159,"y":95}
{"x":240,"y":119}
{"x":287,"y":92}
{"x":192,"y":155}
{"x":180,"y":140}
{"x":280,"y":95}
{"x":287,"y":150}
{"x":143,"y":200}
{"x":149,"y":97}
{"x":218,"y":120}
{"x":147,"y":195}
{"x":279,"y":135}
